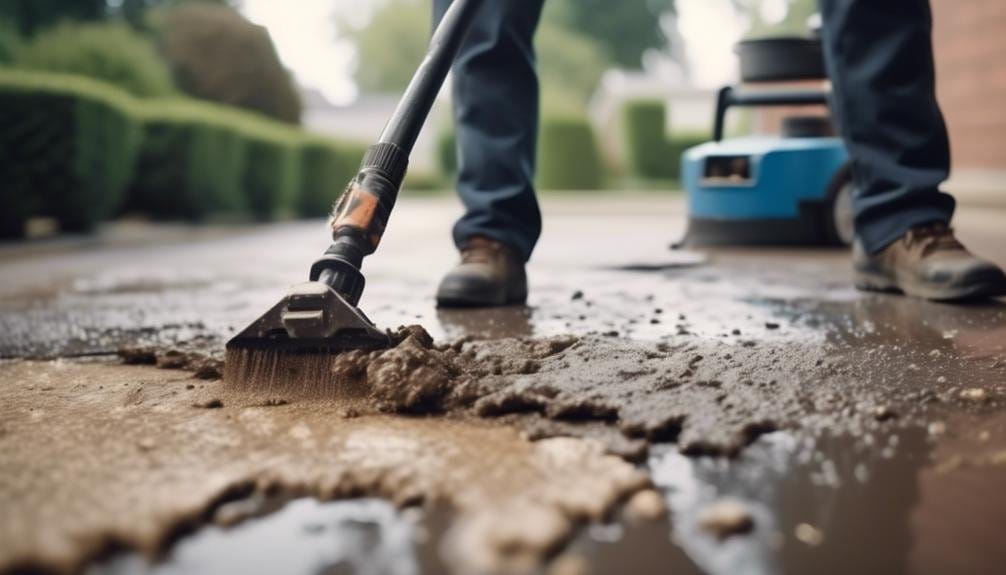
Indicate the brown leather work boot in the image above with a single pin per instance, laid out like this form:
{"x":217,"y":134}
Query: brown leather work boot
{"x":930,"y":263}
{"x":490,"y":274}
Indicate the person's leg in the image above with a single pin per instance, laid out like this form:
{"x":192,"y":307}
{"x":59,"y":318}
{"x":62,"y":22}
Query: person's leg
{"x":880,"y":61}
{"x":495,"y":97}
{"x":879,"y":55}
{"x":495,"y":93}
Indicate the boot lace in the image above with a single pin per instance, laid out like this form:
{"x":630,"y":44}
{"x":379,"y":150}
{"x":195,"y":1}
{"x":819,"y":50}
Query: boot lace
{"x":933,"y":237}
{"x":480,"y":251}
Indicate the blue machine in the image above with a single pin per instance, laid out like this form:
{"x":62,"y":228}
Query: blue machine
{"x":793,"y":189}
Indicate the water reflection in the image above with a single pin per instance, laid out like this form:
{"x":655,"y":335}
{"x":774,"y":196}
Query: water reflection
{"x":859,"y":498}
{"x":486,"y":323}
{"x":305,"y":537}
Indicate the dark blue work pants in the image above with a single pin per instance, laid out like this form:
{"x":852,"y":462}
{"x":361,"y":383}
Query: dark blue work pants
{"x":880,"y":59}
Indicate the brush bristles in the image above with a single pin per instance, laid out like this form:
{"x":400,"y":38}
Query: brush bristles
{"x":280,"y":372}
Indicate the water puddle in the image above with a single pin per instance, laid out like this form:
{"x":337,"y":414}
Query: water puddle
{"x":906,"y":500}
{"x":303,"y":537}
{"x":889,"y":503}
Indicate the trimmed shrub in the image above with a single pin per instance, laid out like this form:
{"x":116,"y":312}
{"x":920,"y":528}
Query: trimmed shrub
{"x":110,"y":52}
{"x":419,"y":180}
{"x":676,"y":146}
{"x":646,"y":150}
{"x":67,"y":149}
{"x":650,"y":153}
{"x":70,"y":147}
{"x":271,"y":176}
{"x":31,"y":16}
{"x":218,"y":55}
{"x":10,"y":41}
{"x":325,"y":170}
{"x":567,"y":155}
{"x":191,"y":164}
{"x":447,"y":153}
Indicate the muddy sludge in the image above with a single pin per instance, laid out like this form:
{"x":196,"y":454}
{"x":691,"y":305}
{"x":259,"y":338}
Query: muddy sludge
{"x":100,"y":456}
{"x":707,"y":396}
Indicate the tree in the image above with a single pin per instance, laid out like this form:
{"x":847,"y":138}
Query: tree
{"x":108,"y":51}
{"x":391,"y":45}
{"x":570,"y":65}
{"x":794,"y":23}
{"x":29,"y":16}
{"x":216,"y":54}
{"x":623,"y":30}
{"x":135,"y":11}
{"x":10,"y":42}
{"x":577,"y":41}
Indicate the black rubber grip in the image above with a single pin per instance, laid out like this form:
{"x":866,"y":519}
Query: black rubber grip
{"x":389,"y":159}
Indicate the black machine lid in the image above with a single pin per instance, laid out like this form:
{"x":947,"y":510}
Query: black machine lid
{"x":781,"y":59}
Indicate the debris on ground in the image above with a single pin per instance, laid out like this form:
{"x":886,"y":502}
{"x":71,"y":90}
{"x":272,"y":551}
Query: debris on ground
{"x":202,"y":358}
{"x":646,"y":505}
{"x":883,"y":413}
{"x":808,"y":534}
{"x":974,"y":394}
{"x":724,"y":518}
{"x":709,"y":397}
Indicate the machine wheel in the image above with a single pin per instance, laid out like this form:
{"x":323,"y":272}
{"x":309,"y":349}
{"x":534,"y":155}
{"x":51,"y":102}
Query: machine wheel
{"x":839,"y":228}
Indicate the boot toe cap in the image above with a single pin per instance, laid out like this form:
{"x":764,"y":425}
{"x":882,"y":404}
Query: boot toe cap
{"x":460,"y":289}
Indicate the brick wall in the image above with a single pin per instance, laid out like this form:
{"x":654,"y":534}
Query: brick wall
{"x":970,"y":45}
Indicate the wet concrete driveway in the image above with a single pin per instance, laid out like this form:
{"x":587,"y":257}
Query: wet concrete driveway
{"x":896,"y":464}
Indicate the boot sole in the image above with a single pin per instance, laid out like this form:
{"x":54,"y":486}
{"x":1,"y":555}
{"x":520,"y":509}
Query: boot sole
{"x":469,"y":300}
{"x":992,"y":287}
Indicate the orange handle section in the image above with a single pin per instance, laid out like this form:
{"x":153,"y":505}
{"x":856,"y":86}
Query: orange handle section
{"x":358,"y":210}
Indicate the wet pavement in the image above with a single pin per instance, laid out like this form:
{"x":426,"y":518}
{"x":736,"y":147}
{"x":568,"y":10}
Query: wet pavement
{"x":895,"y":464}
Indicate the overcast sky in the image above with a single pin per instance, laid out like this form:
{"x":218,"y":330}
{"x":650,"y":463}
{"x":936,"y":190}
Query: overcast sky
{"x":305,"y":36}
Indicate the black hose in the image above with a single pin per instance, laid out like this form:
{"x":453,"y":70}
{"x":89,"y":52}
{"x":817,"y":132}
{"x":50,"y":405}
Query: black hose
{"x":410,"y":115}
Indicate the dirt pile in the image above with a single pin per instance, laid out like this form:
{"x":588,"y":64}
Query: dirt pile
{"x":193,"y":357}
{"x":709,"y":396}
{"x":706,"y":395}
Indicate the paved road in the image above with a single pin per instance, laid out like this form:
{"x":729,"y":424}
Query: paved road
{"x":603,"y":266}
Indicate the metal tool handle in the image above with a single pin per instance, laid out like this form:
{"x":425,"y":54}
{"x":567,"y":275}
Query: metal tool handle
{"x":729,"y":97}
{"x":361,"y":214}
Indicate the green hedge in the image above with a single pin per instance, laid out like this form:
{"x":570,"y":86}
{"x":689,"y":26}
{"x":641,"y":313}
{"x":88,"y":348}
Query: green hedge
{"x":326,"y":167}
{"x":191,"y":164}
{"x":567,"y":155}
{"x":676,"y":146}
{"x":71,"y":147}
{"x":649,"y":152}
{"x":447,"y":153}
{"x":271,"y":177}
{"x":646,"y":151}
{"x":10,"y":43}
{"x":110,"y":52}
{"x":67,"y":150}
